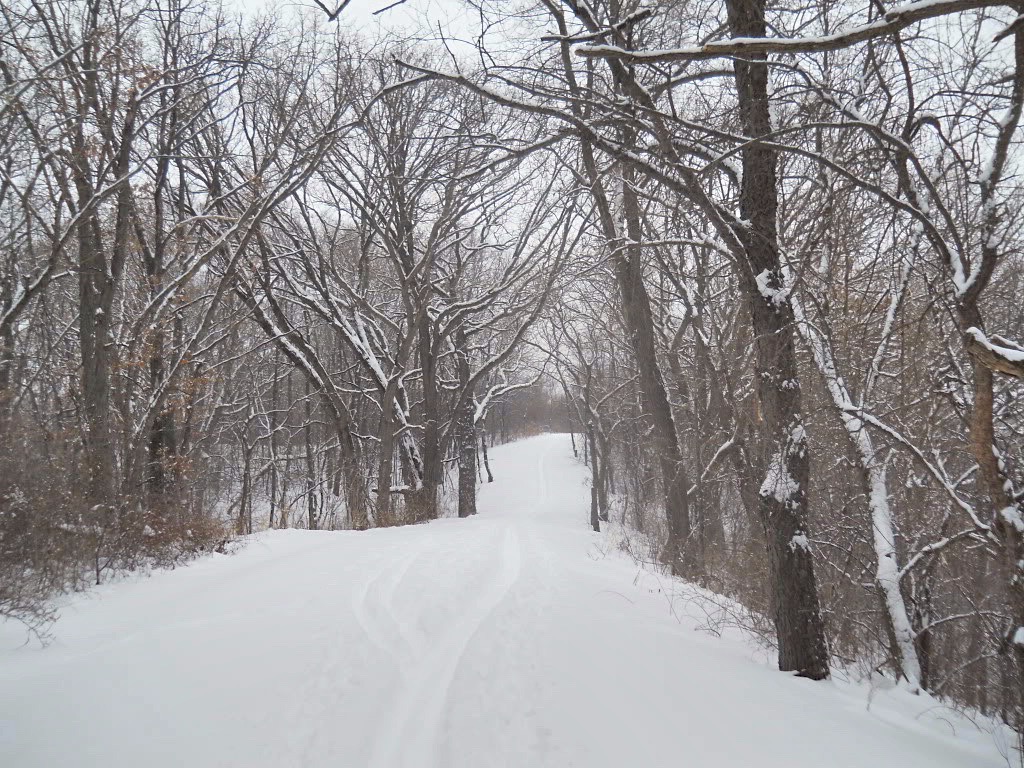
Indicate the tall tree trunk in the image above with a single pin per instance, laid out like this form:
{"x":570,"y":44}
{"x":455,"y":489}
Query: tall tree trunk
{"x":244,"y":523}
{"x":783,"y":502}
{"x":1007,"y":514}
{"x":312,"y":516}
{"x":433,"y":465}
{"x":162,"y":444}
{"x":636,"y":306}
{"x":385,"y":466}
{"x":7,"y":358}
{"x":274,"y":398}
{"x":636,"y":309}
{"x":466,"y":431}
{"x":95,"y":293}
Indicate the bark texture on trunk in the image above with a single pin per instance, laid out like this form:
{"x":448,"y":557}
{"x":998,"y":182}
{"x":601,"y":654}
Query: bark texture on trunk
{"x":783,"y":497}
{"x":95,"y":295}
{"x":1007,"y":514}
{"x":466,"y":431}
{"x":385,"y":467}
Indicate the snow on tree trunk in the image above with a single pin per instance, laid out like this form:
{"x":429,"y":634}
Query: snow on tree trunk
{"x":783,"y":506}
{"x":873,"y":472}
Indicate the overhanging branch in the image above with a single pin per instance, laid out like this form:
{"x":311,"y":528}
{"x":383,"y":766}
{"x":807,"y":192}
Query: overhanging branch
{"x":893,"y":21}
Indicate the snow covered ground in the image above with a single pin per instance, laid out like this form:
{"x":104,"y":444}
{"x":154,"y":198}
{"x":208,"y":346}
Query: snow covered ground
{"x":511,"y":639}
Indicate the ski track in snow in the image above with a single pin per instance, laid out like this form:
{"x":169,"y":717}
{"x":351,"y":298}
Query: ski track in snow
{"x":516,"y":639}
{"x":409,"y":737}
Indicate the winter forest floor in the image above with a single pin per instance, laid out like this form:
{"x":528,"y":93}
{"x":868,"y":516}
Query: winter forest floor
{"x":517,"y":638}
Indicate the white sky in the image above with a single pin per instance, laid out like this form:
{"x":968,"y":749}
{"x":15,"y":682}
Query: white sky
{"x":420,"y":17}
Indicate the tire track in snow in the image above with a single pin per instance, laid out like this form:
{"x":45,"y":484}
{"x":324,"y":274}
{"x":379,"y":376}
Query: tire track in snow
{"x":372,"y":605}
{"x":394,"y":640}
{"x":409,"y":738}
{"x":410,"y":645}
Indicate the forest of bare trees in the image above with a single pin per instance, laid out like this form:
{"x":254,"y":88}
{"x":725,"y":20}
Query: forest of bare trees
{"x":257,"y":270}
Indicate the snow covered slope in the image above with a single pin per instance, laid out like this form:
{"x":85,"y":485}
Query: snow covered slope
{"x":508,"y":639}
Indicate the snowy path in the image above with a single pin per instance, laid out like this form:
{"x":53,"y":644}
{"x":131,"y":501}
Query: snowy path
{"x":506,"y":640}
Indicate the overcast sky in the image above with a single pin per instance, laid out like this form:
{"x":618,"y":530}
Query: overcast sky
{"x":413,"y":16}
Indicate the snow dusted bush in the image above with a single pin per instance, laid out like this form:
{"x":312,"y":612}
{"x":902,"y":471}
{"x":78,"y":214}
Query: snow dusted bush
{"x":52,"y":540}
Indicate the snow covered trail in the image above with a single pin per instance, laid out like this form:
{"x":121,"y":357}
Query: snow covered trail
{"x":510,"y":639}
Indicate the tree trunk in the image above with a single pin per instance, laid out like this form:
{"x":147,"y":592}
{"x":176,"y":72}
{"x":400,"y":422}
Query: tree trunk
{"x":636,"y":309}
{"x":487,"y":463}
{"x":783,"y":502}
{"x":274,"y":390}
{"x":875,"y":484}
{"x":6,"y":373}
{"x":385,"y":465}
{"x":312,"y":516}
{"x":96,"y":294}
{"x":244,"y":524}
{"x":1007,"y":515}
{"x":466,"y":431}
{"x":636,"y":306}
{"x":425,"y":500}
